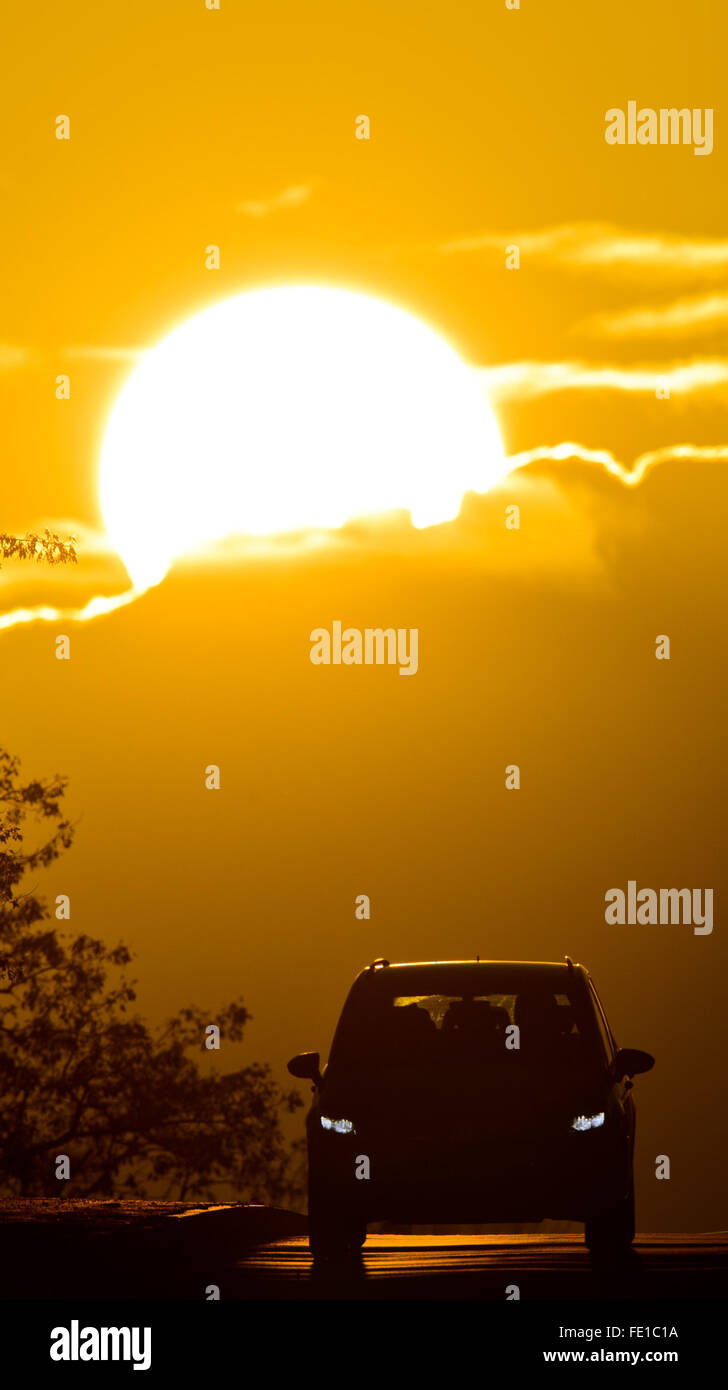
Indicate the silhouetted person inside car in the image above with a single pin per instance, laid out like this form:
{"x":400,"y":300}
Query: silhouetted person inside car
{"x":546,"y":1027}
{"x":476,"y":1027}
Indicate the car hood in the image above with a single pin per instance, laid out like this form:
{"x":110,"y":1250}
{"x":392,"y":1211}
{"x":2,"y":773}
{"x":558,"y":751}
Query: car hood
{"x":489,"y":1100}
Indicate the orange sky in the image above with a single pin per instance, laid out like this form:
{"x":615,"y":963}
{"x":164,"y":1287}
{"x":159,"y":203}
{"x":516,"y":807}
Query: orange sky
{"x":537,"y":647}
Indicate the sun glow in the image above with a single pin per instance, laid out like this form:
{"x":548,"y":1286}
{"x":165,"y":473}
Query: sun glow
{"x":288,"y":410}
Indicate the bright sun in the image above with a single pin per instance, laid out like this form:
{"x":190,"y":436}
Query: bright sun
{"x":290,"y":409}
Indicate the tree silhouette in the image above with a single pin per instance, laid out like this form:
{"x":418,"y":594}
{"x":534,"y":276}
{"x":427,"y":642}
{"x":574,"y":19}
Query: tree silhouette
{"x":49,"y":548}
{"x":81,"y":1073}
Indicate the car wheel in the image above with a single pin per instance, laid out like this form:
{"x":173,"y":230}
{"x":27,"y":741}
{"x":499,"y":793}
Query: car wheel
{"x":334,"y":1227}
{"x":610,"y":1230}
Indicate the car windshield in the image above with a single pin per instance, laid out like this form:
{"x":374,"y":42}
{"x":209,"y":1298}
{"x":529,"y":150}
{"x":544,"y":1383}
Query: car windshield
{"x":534,"y":1024}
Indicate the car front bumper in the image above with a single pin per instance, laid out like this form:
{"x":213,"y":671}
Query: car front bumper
{"x":563,"y":1178}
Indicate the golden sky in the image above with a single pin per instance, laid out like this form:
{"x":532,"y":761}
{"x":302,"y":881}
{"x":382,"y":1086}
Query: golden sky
{"x":191,"y":127}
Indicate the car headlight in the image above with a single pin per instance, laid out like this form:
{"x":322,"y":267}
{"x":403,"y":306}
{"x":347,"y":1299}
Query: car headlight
{"x":588,"y":1121}
{"x":338,"y":1126}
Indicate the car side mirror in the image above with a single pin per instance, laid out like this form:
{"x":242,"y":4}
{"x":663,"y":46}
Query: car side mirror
{"x":306,"y":1067}
{"x":630,"y":1061}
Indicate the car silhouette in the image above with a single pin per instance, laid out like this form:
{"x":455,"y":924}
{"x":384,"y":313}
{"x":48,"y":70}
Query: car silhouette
{"x":469,"y":1092}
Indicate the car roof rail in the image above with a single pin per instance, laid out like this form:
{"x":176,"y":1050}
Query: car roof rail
{"x":378,"y":964}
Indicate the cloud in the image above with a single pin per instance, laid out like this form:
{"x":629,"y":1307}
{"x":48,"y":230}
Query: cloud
{"x":92,"y":541}
{"x":68,"y":593}
{"x":97,"y":352}
{"x":95,"y":545}
{"x":602,"y":247}
{"x":97,"y":558}
{"x":291,"y":197}
{"x":696,"y":314}
{"x":523,"y":380}
{"x":12,"y":356}
{"x":96,"y":607}
{"x":631,"y":475}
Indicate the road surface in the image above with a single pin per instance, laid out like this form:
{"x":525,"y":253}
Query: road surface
{"x":485,"y":1267}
